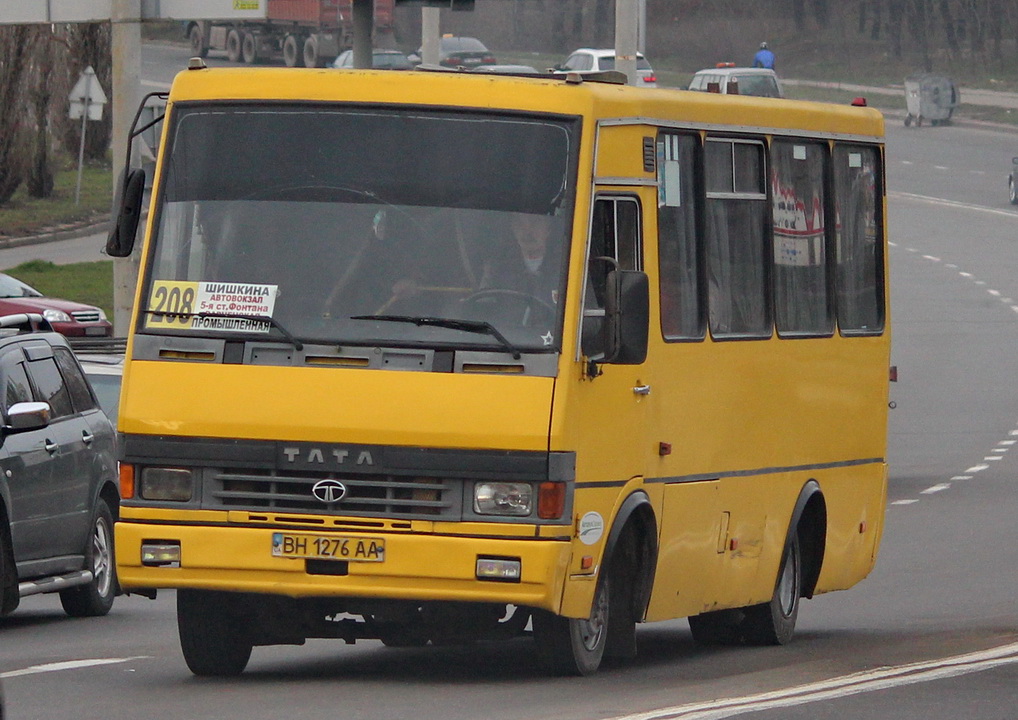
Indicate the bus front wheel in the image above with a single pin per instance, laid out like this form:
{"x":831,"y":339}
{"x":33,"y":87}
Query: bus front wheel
{"x":214,"y":633}
{"x":574,"y":646}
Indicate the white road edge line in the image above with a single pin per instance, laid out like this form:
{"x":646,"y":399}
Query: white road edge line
{"x":68,"y":665}
{"x":867,"y":681}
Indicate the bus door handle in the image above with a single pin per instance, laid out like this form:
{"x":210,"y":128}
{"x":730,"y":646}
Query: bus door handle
{"x":641,"y":390}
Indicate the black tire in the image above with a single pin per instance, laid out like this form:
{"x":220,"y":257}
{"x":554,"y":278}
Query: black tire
{"x":773,"y":623}
{"x":214,"y":633}
{"x":249,"y":49}
{"x":96,"y":598}
{"x":1012,"y":191}
{"x":293,"y":51}
{"x":311,"y":57}
{"x":9,"y":597}
{"x":570,"y":646}
{"x":233,"y":46}
{"x":908,"y":120}
{"x":197,"y":42}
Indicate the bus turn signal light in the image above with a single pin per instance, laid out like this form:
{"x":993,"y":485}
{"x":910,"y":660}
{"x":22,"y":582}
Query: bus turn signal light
{"x":126,"y":481}
{"x":551,"y":500}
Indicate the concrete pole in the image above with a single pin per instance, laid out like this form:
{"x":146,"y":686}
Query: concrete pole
{"x":626,"y":21}
{"x":125,"y":16}
{"x":641,"y":43}
{"x":431,"y":22}
{"x":363,"y":26}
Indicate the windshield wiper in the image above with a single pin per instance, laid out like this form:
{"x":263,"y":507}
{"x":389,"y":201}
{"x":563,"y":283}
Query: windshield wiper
{"x":473,"y":326}
{"x":297,"y":344}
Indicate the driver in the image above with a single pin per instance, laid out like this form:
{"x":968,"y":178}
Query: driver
{"x":527,"y":265}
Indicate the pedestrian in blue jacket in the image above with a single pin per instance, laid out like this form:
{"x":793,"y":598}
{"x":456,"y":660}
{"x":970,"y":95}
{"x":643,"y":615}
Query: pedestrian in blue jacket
{"x":764,"y":58}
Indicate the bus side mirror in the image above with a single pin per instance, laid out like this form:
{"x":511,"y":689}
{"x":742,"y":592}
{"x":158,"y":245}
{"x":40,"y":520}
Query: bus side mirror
{"x":627,"y":317}
{"x":120,"y":242}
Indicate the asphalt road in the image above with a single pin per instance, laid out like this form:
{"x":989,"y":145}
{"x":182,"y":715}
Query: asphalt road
{"x":931,"y":634}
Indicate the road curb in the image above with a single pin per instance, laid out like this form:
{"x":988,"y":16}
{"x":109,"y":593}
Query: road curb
{"x":70,"y":233}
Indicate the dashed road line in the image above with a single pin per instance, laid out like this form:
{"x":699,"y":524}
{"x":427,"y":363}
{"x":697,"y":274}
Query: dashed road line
{"x":68,"y":665}
{"x":1004,"y":445}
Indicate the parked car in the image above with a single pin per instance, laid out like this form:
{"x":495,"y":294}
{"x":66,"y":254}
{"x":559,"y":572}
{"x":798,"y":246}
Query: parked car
{"x":1012,"y":182}
{"x":67,"y":317}
{"x":380,"y":60}
{"x":103,"y":364}
{"x":592,"y":60}
{"x":459,"y":51}
{"x":58,"y":475}
{"x":728,"y":79}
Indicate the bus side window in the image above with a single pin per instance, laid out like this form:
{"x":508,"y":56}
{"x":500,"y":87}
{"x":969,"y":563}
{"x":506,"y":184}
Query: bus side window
{"x":680,"y":267}
{"x":859,"y":240}
{"x":737,"y":226}
{"x":802,"y":302}
{"x":615,"y":233}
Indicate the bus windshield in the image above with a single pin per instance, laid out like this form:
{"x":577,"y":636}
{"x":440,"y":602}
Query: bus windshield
{"x":324,"y":224}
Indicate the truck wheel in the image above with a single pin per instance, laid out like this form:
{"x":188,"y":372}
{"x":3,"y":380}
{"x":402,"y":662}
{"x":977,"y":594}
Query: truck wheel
{"x":570,"y":646}
{"x":214,"y":634}
{"x":311,"y":57}
{"x":96,"y":598}
{"x":293,"y":51}
{"x":249,"y":48}
{"x":198,"y":46}
{"x":233,"y":46}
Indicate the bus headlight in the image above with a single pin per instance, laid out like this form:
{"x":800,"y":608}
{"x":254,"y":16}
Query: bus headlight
{"x":501,"y":498}
{"x":159,"y":483}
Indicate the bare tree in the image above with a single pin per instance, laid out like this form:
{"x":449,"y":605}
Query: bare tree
{"x":89,"y":45}
{"x":39,"y":180}
{"x":15,"y":47}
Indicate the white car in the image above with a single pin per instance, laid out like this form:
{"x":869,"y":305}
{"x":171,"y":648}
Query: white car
{"x":728,"y":79}
{"x":591,"y":60}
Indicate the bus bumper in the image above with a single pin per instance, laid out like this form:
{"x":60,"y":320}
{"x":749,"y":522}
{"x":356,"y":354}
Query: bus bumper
{"x":415,"y":567}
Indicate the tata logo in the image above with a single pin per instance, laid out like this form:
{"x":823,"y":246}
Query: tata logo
{"x":329,"y":491}
{"x":331,"y":456}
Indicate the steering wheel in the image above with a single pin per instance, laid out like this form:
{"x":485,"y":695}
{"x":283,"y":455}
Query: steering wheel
{"x":526,"y":300}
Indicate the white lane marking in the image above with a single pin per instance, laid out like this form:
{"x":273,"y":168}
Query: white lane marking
{"x":952,"y":203}
{"x":995,"y":293}
{"x":839,"y":687}
{"x":1008,"y":442}
{"x":68,"y":665}
{"x":930,"y":257}
{"x":965,"y":274}
{"x":992,"y":458}
{"x":977,"y":468}
{"x":903,"y":502}
{"x":935,"y":488}
{"x":962,"y":477}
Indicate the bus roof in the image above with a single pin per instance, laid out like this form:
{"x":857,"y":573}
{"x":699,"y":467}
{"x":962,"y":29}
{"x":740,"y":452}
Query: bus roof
{"x":596,"y":101}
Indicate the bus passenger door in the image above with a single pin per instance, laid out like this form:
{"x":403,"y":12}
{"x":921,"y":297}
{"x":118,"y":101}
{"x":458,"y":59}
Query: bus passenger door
{"x":612,"y":401}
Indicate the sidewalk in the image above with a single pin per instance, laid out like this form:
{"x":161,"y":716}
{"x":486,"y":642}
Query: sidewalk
{"x":968,"y":96}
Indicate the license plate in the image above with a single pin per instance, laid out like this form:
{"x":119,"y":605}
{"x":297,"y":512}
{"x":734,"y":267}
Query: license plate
{"x":95,"y":331}
{"x":328,"y":547}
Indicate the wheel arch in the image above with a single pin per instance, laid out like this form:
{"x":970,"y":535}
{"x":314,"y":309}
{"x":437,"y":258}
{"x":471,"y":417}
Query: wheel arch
{"x":809,"y":523}
{"x":636,"y":514}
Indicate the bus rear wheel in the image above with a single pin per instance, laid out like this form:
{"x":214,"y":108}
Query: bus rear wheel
{"x":773,"y":623}
{"x":574,"y":646}
{"x":214,"y":633}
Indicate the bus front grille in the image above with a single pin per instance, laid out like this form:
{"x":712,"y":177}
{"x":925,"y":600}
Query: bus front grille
{"x":367,"y":495}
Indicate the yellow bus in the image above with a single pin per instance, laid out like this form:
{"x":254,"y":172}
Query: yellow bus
{"x":438,"y":356}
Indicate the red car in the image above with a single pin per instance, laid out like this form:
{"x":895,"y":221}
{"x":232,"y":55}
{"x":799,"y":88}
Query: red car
{"x":69,"y":318}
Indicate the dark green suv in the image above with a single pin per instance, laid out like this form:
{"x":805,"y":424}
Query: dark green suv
{"x":58,"y":475}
